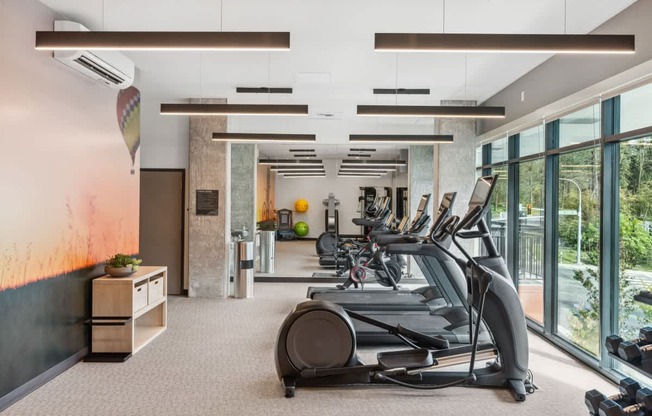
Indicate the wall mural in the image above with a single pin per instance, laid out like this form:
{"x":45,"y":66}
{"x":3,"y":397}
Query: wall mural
{"x":73,"y":206}
{"x":128,"y":111}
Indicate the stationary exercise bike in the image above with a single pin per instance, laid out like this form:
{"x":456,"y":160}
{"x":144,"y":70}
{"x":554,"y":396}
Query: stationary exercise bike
{"x":369,"y":262}
{"x":316,"y":345}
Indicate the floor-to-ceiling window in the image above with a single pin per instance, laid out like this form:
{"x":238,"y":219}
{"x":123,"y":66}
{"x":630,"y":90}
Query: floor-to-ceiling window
{"x":574,"y":216}
{"x":578,"y":233}
{"x":531,"y":216}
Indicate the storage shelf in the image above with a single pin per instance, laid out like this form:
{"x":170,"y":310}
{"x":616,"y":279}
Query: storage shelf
{"x":128,"y":312}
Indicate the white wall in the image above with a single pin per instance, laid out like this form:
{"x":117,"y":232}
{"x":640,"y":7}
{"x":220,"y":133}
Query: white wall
{"x":315,"y":190}
{"x":163,"y":139}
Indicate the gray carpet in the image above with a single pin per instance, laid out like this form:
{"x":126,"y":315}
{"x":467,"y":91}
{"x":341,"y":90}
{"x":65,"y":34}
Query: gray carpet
{"x":216,"y":358}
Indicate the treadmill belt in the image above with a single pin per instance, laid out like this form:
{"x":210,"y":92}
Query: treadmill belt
{"x":376,"y":299}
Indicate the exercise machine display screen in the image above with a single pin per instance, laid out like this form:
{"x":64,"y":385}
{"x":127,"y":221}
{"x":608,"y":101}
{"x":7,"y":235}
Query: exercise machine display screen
{"x":481,"y":191}
{"x":423,"y":203}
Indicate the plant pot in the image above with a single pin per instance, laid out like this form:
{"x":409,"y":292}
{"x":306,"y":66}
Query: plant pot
{"x":119,"y":271}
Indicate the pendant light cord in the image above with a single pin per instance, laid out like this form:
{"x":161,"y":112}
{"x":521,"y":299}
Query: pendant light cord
{"x":443,"y":17}
{"x":565,"y":15}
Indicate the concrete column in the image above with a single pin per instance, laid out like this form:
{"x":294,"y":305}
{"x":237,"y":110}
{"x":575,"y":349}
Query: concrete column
{"x":243,"y":187}
{"x":209,"y":166}
{"x":456,"y":161}
{"x":420,"y":177}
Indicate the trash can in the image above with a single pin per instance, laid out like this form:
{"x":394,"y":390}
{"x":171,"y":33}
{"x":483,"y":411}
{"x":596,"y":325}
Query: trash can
{"x":244,"y":269}
{"x":267,"y":248}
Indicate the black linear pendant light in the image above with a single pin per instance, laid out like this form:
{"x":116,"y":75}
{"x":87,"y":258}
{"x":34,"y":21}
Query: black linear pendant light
{"x":430,"y":111}
{"x":233,"y":41}
{"x":402,"y":138}
{"x":263,"y":137}
{"x":515,"y":43}
{"x":235,"y":109}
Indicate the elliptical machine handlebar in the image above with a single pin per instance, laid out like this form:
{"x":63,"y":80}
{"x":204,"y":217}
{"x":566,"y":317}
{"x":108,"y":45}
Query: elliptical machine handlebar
{"x":446,"y":228}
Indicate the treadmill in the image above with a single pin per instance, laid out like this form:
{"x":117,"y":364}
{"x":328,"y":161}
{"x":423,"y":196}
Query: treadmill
{"x":448,"y":316}
{"x":426,"y":298}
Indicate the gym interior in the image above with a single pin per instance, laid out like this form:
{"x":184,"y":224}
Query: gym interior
{"x":219,"y":207}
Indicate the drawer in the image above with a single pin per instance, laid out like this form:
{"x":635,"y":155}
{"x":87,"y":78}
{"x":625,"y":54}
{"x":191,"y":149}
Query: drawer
{"x":140,"y":295}
{"x":155,"y":288}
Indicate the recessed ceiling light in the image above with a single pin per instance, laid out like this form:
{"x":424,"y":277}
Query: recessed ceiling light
{"x":262,"y":137}
{"x":234,"y":109}
{"x":501,"y":43}
{"x":430,"y":111}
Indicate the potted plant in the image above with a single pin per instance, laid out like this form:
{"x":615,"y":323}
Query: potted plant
{"x":121,"y":265}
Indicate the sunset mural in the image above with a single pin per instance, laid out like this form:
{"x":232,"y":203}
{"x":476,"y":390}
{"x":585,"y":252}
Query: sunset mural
{"x":79,"y":203}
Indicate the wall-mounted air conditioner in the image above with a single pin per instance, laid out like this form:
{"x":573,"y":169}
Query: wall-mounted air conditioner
{"x":110,"y":68}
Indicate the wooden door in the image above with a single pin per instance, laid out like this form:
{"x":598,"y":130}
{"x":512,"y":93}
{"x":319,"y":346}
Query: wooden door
{"x":162,"y":222}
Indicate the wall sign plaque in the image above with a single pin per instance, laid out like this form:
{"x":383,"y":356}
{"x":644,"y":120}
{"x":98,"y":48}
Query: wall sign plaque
{"x":207,"y":202}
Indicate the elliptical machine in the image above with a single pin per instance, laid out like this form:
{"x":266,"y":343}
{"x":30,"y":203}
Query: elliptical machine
{"x":316,"y":345}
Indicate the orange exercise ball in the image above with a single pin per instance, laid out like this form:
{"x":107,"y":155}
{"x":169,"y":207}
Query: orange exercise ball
{"x":301,"y":205}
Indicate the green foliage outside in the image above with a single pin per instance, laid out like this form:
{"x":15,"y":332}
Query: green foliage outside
{"x":635,"y":252}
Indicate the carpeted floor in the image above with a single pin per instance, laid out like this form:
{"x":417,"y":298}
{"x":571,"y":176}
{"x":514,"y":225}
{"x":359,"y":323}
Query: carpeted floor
{"x":216,"y":358}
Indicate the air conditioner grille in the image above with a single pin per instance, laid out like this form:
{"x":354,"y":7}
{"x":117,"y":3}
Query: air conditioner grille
{"x":87,"y":63}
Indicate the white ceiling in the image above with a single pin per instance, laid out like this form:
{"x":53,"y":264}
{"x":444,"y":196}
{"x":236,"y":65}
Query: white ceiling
{"x":332,"y":65}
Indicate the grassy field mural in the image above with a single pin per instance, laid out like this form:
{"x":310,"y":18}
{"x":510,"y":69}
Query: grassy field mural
{"x":70,"y":200}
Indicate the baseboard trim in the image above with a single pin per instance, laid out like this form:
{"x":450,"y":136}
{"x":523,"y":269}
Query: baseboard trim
{"x":22,"y":391}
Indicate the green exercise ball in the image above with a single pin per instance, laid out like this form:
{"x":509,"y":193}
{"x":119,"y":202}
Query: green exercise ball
{"x":301,"y":229}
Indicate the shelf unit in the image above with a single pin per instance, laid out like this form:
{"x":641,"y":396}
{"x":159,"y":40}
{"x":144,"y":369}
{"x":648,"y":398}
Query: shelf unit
{"x":127,"y":313}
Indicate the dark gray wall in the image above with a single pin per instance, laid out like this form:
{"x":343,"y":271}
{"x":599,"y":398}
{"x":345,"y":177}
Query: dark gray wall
{"x":563,"y":75}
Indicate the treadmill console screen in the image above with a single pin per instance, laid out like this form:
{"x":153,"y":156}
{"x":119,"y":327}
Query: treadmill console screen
{"x":481,"y":191}
{"x":423,"y":203}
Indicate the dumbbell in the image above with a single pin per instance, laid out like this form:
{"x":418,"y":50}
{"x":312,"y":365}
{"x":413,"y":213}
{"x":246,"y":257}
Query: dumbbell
{"x":633,"y":353}
{"x":612,"y":342}
{"x":642,"y":407}
{"x":626,"y":395}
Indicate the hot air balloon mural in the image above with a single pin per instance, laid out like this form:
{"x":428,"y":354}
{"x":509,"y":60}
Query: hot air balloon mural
{"x":128,"y":112}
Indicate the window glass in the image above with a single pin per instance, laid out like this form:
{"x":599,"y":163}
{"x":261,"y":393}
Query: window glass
{"x":478,"y":156}
{"x":635,"y":235}
{"x":530,"y":237}
{"x":580,"y":127}
{"x":578,"y":237}
{"x":532,"y":141}
{"x":635,"y":109}
{"x":499,"y":151}
{"x":499,"y":211}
